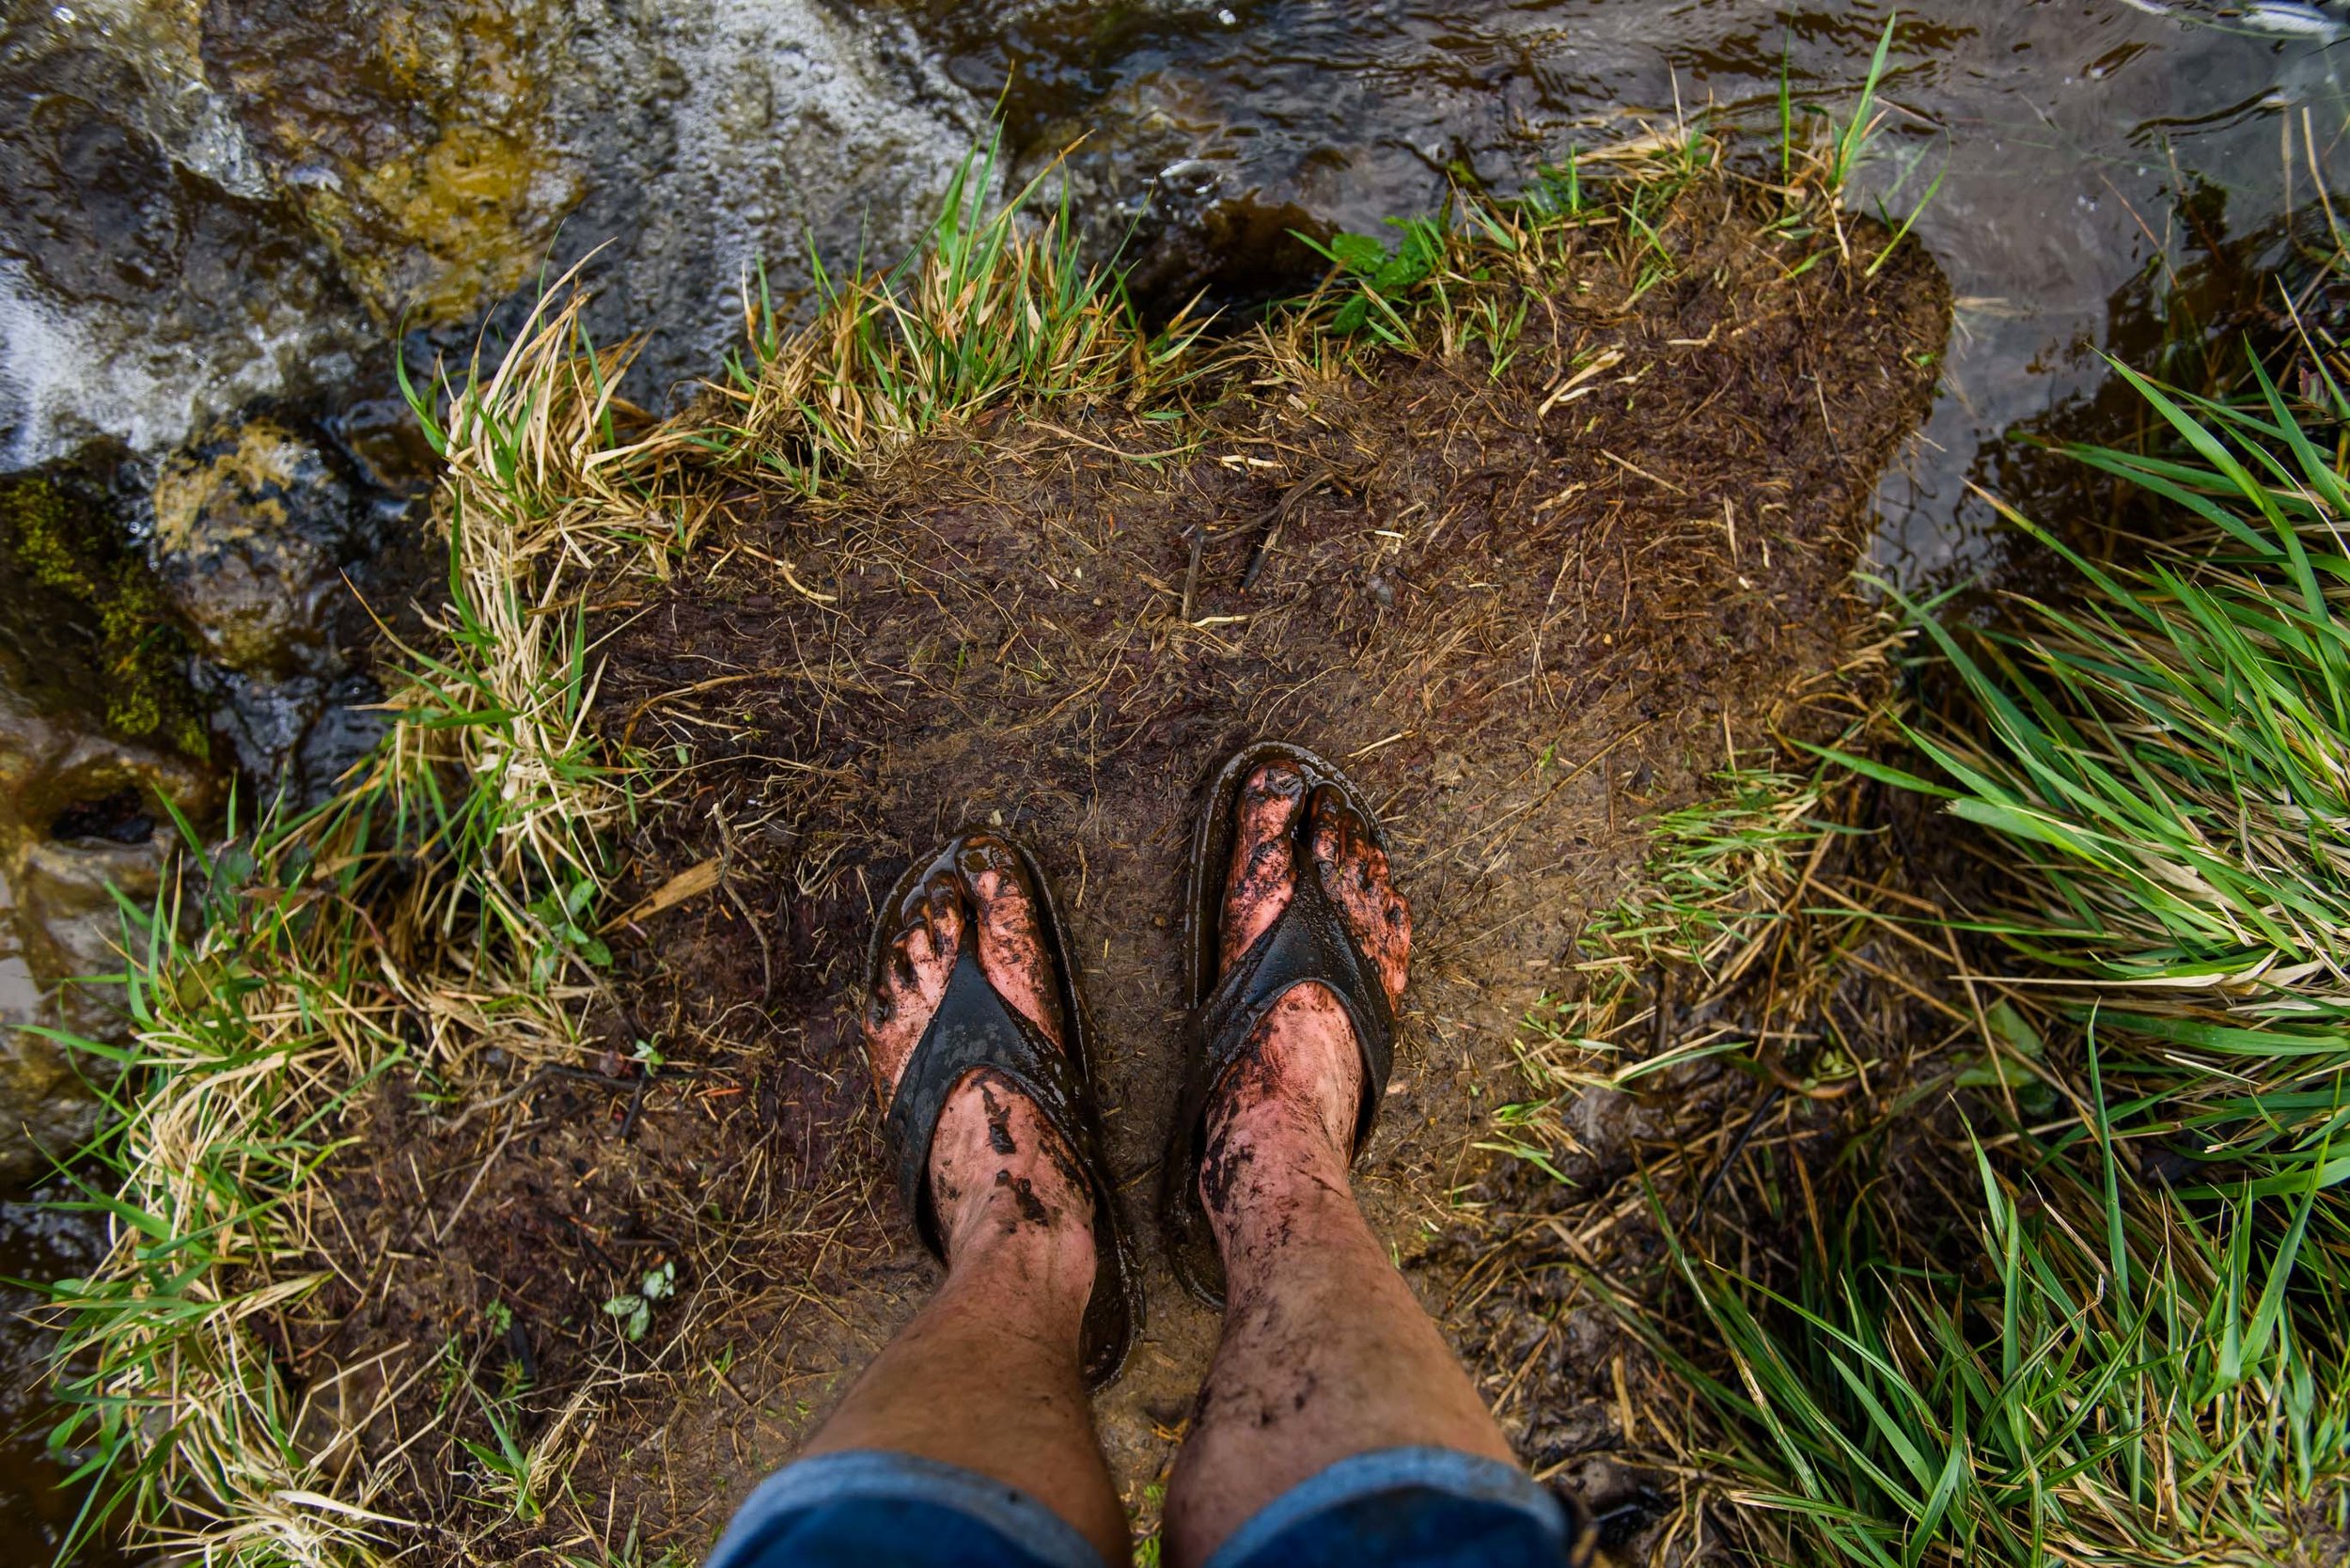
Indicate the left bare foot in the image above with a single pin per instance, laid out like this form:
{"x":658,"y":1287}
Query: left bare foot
{"x":997,"y":1167}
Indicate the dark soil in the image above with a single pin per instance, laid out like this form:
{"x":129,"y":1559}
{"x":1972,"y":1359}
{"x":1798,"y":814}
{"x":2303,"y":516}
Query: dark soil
{"x":1522,"y":629}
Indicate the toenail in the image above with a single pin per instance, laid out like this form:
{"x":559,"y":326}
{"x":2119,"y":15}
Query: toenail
{"x":1283,"y":783}
{"x":980,"y":856}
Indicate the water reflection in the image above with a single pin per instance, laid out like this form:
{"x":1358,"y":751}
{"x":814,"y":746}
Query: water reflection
{"x":35,"y":1243}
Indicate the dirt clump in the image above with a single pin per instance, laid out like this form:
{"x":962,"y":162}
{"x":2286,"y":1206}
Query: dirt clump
{"x":1526,"y":610}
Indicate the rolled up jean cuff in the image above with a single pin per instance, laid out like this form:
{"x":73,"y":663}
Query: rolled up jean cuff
{"x":1338,"y":1512}
{"x":1400,"y":1506}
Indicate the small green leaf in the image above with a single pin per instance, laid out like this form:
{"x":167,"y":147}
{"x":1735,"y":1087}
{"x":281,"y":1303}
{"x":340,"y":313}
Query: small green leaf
{"x":1358,"y":252}
{"x":2009,"y":1027}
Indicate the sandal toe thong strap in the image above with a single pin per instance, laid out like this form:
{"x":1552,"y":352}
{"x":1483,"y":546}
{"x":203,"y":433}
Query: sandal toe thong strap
{"x":1308,"y":944}
{"x":973,"y":1027}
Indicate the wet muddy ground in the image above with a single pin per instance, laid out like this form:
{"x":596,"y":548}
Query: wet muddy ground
{"x":1525,"y":613}
{"x":225,"y":209}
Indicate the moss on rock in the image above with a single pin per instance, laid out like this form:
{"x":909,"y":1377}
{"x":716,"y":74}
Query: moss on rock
{"x":412,"y":134}
{"x":100,"y":596}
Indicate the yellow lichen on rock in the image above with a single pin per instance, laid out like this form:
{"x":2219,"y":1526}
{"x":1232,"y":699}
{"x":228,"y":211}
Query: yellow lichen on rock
{"x":247,"y":520}
{"x":413,"y":135}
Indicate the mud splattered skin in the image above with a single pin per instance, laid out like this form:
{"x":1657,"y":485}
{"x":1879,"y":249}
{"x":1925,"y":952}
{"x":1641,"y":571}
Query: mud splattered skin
{"x":998,"y":1117}
{"x":1031,"y":1207}
{"x":1355,"y":875}
{"x":1283,"y":1120}
{"x":994,"y":1161}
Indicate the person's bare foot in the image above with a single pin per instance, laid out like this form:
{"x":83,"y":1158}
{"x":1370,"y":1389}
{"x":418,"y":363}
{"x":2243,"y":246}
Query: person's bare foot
{"x":1326,"y":1352}
{"x":996,"y":1168}
{"x":990,"y":1374}
{"x":1286,"y":1112}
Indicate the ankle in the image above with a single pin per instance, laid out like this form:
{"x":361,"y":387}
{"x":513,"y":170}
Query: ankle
{"x":1280,"y":1132}
{"x":1302,"y":1081}
{"x":1005,"y":1189}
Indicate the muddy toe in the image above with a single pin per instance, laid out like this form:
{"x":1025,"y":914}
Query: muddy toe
{"x":1354,"y":872}
{"x":1257,"y":886}
{"x":1012,"y":945}
{"x":913,"y":978}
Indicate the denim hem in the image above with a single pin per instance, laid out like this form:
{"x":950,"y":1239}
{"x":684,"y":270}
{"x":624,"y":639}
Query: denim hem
{"x":880,"y":1475}
{"x":1449,"y":1471}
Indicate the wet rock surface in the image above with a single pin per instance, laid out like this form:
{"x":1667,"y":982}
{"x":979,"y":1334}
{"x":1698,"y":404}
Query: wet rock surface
{"x":448,"y":150}
{"x":413,"y":139}
{"x":80,"y":821}
{"x":141,"y":662}
{"x":220,"y":202}
{"x":152,"y":278}
{"x":250,"y":521}
{"x":276,"y":552}
{"x":236,"y":206}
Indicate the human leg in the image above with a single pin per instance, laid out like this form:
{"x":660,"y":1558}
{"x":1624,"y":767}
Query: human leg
{"x":1326,"y":1353}
{"x":987,"y":1377}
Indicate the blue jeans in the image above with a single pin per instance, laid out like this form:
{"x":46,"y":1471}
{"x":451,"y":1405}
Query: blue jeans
{"x":1392,"y":1508}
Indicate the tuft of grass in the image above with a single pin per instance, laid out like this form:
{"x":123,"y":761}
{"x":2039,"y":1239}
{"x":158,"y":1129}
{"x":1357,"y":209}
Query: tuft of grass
{"x":1716,"y":870}
{"x":1847,"y":142}
{"x":2163,"y":765}
{"x":1816,"y":164}
{"x":258,"y":1008}
{"x":995,"y":302}
{"x":405,"y":922}
{"x":2026,"y":1354}
{"x":2076,"y":1371}
{"x":1462,"y":281}
{"x":2118,"y":1332}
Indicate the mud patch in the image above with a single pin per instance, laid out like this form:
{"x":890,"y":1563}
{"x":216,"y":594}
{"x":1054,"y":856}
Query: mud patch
{"x":1525,"y":611}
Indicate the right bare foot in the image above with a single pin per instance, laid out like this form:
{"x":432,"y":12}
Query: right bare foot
{"x":998,"y":1169}
{"x":1284,"y":1116}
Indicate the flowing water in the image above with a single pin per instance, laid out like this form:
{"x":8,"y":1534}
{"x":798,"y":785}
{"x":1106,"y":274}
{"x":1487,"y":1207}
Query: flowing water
{"x":221,"y":217}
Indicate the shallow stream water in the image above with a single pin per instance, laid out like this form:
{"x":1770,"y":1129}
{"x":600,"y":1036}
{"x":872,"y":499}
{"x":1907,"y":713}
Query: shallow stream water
{"x":218,"y":207}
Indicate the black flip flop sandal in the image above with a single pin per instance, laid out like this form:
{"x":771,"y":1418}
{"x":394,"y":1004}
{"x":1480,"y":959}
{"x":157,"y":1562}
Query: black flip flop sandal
{"x":973,"y":1027}
{"x":1309,"y":943}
